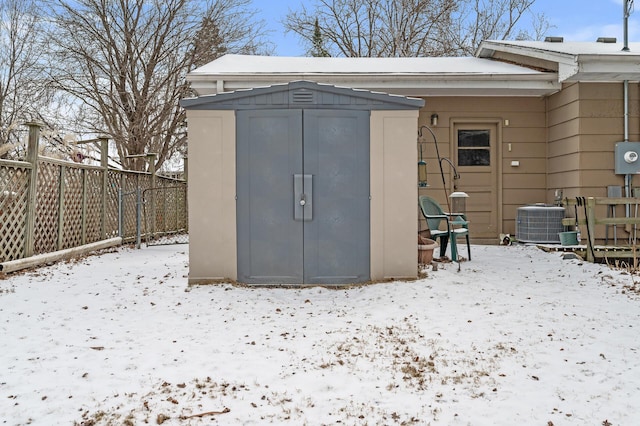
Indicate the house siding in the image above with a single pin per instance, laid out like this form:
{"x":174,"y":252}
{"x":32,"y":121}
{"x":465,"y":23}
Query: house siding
{"x":586,"y":120}
{"x":522,"y":139}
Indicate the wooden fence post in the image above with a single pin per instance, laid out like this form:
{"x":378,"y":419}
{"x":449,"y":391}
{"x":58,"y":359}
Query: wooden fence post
{"x":185,"y":173}
{"x":61,"y":206}
{"x":104,"y":163}
{"x":152,"y":168}
{"x":32,"y":157}
{"x":83,"y":218}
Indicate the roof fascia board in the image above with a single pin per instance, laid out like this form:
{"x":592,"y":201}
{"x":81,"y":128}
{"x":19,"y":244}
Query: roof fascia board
{"x":414,"y":88}
{"x":567,"y":71}
{"x":396,"y":77}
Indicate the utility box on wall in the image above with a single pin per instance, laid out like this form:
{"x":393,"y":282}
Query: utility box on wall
{"x":627,"y":158}
{"x":302,"y":183}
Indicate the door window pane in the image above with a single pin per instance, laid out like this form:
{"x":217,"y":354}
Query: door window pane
{"x":474,"y":157}
{"x":474,"y":147}
{"x":473,"y":138}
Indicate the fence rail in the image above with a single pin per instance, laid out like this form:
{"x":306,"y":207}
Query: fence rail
{"x":589,"y":220}
{"x":48,"y":205}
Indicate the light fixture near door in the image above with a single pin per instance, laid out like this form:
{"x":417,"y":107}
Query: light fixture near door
{"x":434,"y":120}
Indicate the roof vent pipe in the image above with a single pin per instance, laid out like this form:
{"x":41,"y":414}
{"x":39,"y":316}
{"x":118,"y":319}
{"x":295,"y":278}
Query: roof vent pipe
{"x":554,"y":39}
{"x":627,"y":10}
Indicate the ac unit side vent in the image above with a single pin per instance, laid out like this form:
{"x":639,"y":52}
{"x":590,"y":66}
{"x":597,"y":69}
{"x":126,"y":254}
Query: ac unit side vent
{"x":539,"y":224}
{"x":303,"y":97}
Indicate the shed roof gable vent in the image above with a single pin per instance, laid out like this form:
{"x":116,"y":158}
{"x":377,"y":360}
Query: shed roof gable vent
{"x":303,"y":97}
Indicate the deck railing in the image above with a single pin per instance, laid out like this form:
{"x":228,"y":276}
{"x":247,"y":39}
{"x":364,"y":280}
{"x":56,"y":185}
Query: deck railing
{"x":590,"y":222}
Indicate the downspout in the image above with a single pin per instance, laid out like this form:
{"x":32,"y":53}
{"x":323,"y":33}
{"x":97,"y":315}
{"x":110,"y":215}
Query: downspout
{"x":627,"y":178}
{"x":626,"y":11}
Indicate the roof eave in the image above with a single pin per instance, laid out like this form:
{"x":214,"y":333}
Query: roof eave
{"x":573,"y":67}
{"x":487,"y":50}
{"x":541,"y":84}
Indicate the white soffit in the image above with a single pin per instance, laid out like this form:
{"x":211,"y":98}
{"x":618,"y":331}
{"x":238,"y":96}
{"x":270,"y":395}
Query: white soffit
{"x":466,"y":76}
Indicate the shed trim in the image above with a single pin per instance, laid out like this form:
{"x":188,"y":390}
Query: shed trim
{"x":302,"y":94}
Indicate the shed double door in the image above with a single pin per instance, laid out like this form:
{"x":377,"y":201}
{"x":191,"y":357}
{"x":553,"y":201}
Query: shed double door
{"x":303,"y":196}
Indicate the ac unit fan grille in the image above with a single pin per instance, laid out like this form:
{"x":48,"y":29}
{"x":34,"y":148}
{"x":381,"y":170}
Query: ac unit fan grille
{"x":539,"y":224}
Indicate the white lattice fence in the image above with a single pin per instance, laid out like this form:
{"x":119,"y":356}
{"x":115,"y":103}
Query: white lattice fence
{"x":14,"y":185}
{"x":93,"y":206}
{"x":111,"y":214}
{"x":165,"y":212}
{"x":71,"y":235}
{"x":129,"y":184}
{"x":45,"y":237}
{"x":69,"y":204}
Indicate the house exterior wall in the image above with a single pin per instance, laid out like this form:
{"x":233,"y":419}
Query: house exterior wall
{"x":585,"y":122}
{"x":212,"y":190}
{"x":521,"y":128}
{"x":394,"y":195}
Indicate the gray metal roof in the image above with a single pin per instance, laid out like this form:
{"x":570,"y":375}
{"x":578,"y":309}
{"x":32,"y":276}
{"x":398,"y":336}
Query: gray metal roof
{"x":302,"y":94}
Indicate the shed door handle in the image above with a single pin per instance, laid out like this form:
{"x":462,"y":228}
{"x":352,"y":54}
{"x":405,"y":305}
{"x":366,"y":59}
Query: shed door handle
{"x":303,"y":197}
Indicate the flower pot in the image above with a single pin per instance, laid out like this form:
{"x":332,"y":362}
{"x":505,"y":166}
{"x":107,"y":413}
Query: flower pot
{"x":569,"y":238}
{"x":425,"y":250}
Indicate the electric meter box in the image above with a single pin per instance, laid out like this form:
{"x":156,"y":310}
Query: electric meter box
{"x":627,"y":158}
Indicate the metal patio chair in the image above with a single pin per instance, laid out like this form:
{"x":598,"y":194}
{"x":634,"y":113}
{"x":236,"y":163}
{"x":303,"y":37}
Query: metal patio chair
{"x":456,"y":226}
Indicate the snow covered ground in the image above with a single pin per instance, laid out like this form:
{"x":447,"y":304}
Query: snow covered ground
{"x":518,"y":336}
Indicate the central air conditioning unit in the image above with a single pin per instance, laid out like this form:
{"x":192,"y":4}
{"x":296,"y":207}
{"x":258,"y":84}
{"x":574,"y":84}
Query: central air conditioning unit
{"x":539,"y":223}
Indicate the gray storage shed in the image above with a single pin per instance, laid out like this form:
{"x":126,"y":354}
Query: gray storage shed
{"x":302,"y":183}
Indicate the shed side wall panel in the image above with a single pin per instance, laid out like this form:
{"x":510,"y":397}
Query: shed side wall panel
{"x":394,"y":194}
{"x":212,"y":187}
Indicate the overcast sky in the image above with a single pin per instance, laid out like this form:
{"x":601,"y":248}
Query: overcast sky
{"x":575,"y":20}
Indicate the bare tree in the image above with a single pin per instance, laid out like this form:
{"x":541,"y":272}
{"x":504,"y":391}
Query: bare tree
{"x":22,"y":89}
{"x":125,"y":62}
{"x":400,"y":28}
{"x":494,"y":20}
{"x":372,"y":28}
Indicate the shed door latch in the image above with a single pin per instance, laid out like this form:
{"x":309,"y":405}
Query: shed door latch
{"x":303,"y":197}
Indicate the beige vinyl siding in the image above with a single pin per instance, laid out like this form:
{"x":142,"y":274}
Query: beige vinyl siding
{"x":526,"y":134}
{"x":212,"y":189}
{"x":393,"y":194}
{"x":585,"y":122}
